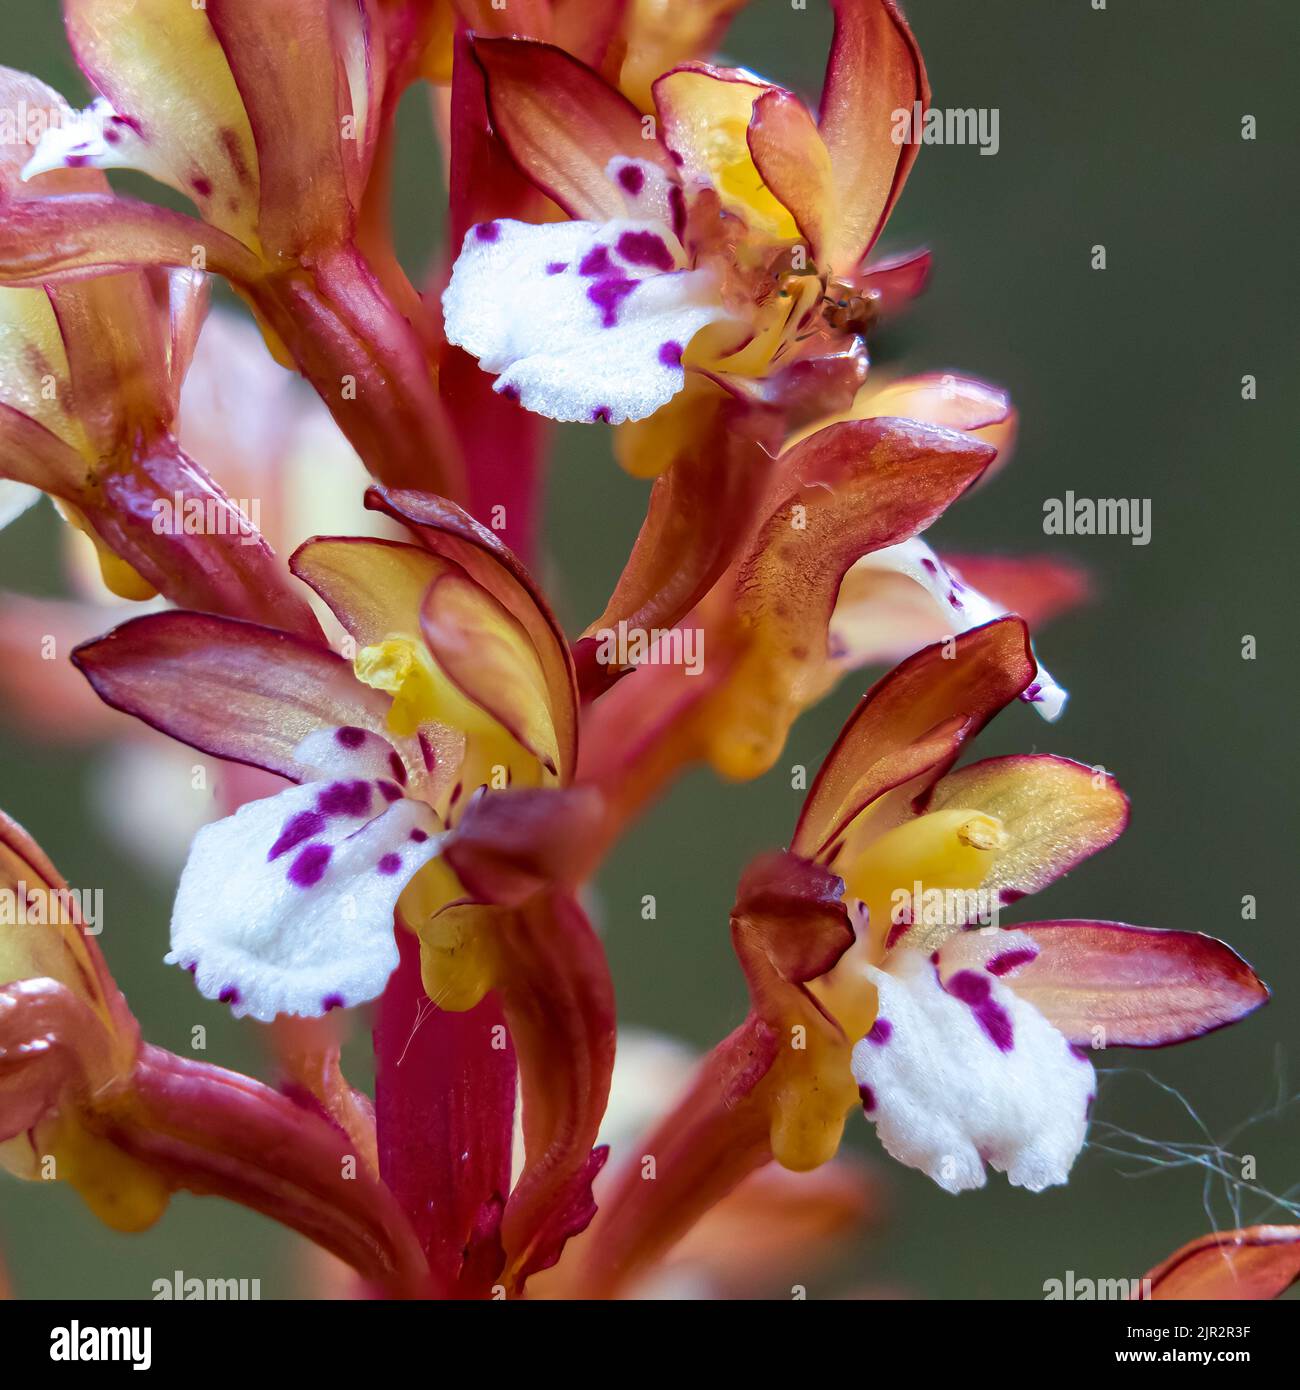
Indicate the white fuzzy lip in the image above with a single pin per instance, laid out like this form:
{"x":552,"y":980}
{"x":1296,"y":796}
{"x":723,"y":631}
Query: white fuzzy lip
{"x":519,"y":302}
{"x":287,"y":906}
{"x":946,"y":1097}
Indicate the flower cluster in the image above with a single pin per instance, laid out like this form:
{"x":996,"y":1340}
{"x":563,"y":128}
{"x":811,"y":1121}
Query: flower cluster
{"x":637,"y":239}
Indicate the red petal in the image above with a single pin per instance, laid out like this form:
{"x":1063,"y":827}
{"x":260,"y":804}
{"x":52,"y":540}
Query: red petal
{"x":910,"y":726}
{"x":1111,"y":985}
{"x":563,"y":123}
{"x":875,"y":69}
{"x":1258,"y":1262}
{"x":243,"y":692}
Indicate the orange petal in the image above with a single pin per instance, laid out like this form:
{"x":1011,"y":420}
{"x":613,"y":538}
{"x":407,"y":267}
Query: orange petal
{"x":563,"y":123}
{"x":910,"y":726}
{"x":489,"y":657}
{"x":860,"y":486}
{"x":794,"y":163}
{"x":875,"y":69}
{"x":1257,"y":1262}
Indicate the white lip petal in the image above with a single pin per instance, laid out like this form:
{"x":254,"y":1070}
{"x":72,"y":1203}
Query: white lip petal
{"x":581,"y":321}
{"x":958,"y":1076}
{"x":963,"y":607}
{"x":287,"y":906}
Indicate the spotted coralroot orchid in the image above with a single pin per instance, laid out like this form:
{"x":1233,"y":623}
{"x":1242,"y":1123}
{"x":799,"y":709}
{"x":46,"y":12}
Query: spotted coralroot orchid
{"x":740,"y":214}
{"x":89,"y":394}
{"x":83,"y":1100}
{"x":430,"y":780}
{"x":872,"y":981}
{"x":1253,"y":1263}
{"x":275,"y":122}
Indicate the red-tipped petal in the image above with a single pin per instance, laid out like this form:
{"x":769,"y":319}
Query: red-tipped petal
{"x":910,"y":726}
{"x":875,"y":69}
{"x":563,"y":123}
{"x":858,"y":486}
{"x":243,"y":692}
{"x":1107,"y":984}
{"x":794,"y":163}
{"x":1257,"y":1262}
{"x":449,"y":531}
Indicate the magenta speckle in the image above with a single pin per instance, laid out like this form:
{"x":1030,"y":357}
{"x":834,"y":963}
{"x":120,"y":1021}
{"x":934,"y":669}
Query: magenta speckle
{"x":487,"y":231}
{"x":595,"y":262}
{"x":868,"y":1098}
{"x":881,"y":1032}
{"x":419,"y":836}
{"x":390,"y":791}
{"x":632,"y":178}
{"x":389,"y":864}
{"x":111,"y":136}
{"x":350,"y":736}
{"x":556,"y":267}
{"x":1033,"y":693}
{"x":331,"y":1001}
{"x":295,"y":830}
{"x":1011,"y":960}
{"x":202,"y":186}
{"x":344,"y":799}
{"x":511,"y":393}
{"x":193,"y":967}
{"x":929,"y":566}
{"x":607,"y":295}
{"x":670,"y":354}
{"x":428,"y":752}
{"x":601,"y":413}
{"x":677,"y":207}
{"x":229,"y":995}
{"x":309,"y":868}
{"x":398,"y":768}
{"x":645,"y":248}
{"x":976,"y":989}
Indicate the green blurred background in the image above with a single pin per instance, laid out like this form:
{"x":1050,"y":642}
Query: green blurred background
{"x":1120,"y":127}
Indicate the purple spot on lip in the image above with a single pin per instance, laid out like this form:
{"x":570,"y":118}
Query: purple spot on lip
{"x":487,"y":231}
{"x":309,"y":868}
{"x":389,"y":864}
{"x":556,"y":267}
{"x":601,"y":412}
{"x":1032,"y":692}
{"x":929,"y":566}
{"x":881,"y":1032}
{"x":350,"y":736}
{"x":295,"y":830}
{"x":670,"y":354}
{"x":112,"y":136}
{"x":868,"y":1098}
{"x":644,"y":248}
{"x":389,"y":790}
{"x":202,"y":186}
{"x":511,"y":393}
{"x":632,"y":178}
{"x":1010,"y":960}
{"x":398,"y":768}
{"x":344,"y":799}
{"x":331,"y":1001}
{"x":193,"y":967}
{"x":428,"y":752}
{"x":677,"y":207}
{"x":229,"y":995}
{"x":976,"y":989}
{"x":607,"y":295}
{"x":595,"y":262}
{"x":419,"y":836}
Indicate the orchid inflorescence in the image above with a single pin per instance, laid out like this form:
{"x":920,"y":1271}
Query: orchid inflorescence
{"x":640,"y":239}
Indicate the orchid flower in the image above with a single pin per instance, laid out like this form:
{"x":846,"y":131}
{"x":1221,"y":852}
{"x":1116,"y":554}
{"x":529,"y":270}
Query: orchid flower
{"x":460,"y":687}
{"x":964,"y":1046}
{"x":91,"y":385}
{"x":84,"y":1101}
{"x":271,"y":120}
{"x":740,"y":219}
